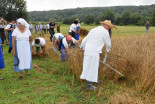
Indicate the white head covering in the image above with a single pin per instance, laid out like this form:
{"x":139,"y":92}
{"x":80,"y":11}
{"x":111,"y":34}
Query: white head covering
{"x":23,"y":22}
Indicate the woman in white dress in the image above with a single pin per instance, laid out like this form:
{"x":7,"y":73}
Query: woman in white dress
{"x":22,"y":48}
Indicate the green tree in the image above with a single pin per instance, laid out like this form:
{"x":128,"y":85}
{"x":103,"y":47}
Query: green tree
{"x":126,"y":17}
{"x":12,"y":9}
{"x":69,"y":20}
{"x":118,"y":21}
{"x":97,"y":21}
{"x":135,"y":19}
{"x":153,"y":18}
{"x":109,"y":15}
{"x":89,"y":19}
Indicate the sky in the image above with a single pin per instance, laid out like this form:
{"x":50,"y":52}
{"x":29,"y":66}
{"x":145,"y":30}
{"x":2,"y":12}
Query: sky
{"x":40,"y":5}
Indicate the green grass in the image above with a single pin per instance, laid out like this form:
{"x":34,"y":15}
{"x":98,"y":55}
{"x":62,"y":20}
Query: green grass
{"x":45,"y":87}
{"x":55,"y":84}
{"x":120,"y":31}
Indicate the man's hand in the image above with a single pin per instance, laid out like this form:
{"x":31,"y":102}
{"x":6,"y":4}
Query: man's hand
{"x":2,"y":19}
{"x":105,"y":58}
{"x":41,"y":52}
{"x":12,"y":29}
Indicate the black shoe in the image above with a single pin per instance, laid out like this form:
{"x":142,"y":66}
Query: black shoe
{"x":2,"y":78}
{"x":29,"y":75}
{"x":91,"y":87}
{"x":10,"y":49}
{"x":20,"y":78}
{"x":99,"y":82}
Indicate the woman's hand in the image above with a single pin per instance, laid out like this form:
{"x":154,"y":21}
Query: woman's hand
{"x":14,"y":52}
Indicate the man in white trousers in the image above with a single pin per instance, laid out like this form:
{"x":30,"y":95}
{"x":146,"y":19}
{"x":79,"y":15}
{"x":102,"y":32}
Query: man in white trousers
{"x":92,"y":45}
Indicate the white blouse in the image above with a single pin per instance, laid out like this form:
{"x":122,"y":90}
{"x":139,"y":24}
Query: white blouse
{"x":21,"y":36}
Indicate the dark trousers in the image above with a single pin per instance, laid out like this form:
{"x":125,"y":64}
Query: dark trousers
{"x":58,"y":30}
{"x":38,"y":49}
{"x":73,"y":34}
{"x":44,"y":31}
{"x":52,"y":33}
{"x":2,"y":36}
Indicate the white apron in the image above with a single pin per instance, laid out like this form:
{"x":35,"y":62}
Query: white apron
{"x":23,"y":51}
{"x":90,"y":67}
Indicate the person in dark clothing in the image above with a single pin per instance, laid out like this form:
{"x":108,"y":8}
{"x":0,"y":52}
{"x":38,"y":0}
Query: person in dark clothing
{"x":36,"y":28}
{"x":58,"y":28}
{"x":2,"y":32}
{"x":52,"y":26}
{"x":147,"y":25}
{"x":110,"y":33}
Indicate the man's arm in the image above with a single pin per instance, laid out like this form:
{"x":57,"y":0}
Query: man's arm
{"x":55,"y":44}
{"x":53,"y":27}
{"x":3,"y":21}
{"x":67,"y":50}
{"x":79,"y":30}
{"x":107,"y":41}
{"x":44,"y":49}
{"x":8,"y":28}
{"x":75,"y":30}
{"x":32,"y":48}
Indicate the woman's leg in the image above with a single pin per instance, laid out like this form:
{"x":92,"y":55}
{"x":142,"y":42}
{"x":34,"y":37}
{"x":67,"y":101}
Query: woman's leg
{"x":27,"y":72}
{"x":20,"y":76}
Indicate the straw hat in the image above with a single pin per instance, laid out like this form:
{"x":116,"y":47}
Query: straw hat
{"x":107,"y":22}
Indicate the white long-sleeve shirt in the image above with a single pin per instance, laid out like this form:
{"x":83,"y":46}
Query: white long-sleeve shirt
{"x":95,"y":40}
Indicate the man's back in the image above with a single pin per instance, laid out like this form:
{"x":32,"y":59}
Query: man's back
{"x":96,"y":39}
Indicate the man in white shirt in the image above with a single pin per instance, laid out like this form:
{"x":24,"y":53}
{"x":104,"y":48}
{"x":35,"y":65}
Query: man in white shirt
{"x":92,"y":45}
{"x":56,"y":41}
{"x":39,"y":42}
{"x":44,"y":28}
{"x":72,"y":30}
{"x":65,"y":43}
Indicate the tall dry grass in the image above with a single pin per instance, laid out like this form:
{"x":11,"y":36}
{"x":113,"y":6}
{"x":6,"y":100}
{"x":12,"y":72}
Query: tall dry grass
{"x":83,"y":31}
{"x":133,"y":56}
{"x":125,"y":98}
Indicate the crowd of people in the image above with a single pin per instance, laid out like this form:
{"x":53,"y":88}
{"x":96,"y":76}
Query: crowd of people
{"x":19,"y":36}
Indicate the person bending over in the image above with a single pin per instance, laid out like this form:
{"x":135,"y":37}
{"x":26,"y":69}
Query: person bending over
{"x":39,"y":43}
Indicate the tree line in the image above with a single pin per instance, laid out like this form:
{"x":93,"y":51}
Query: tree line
{"x":120,"y":15}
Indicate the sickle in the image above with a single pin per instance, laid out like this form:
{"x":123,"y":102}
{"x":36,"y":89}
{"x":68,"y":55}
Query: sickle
{"x":17,"y":61}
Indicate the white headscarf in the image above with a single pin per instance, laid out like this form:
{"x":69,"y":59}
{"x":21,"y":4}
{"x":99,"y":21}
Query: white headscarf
{"x":23,"y":22}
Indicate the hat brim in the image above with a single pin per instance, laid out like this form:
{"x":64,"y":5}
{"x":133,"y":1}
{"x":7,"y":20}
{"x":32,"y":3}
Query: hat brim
{"x":108,"y":24}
